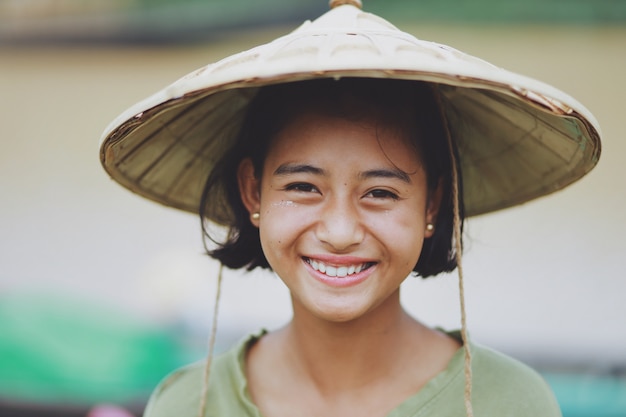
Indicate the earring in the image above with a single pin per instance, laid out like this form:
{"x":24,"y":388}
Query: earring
{"x":430,"y":227}
{"x":255,"y":216}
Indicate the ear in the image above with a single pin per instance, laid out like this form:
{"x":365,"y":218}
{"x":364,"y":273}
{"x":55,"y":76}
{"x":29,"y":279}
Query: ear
{"x":432,"y":207}
{"x":249,"y":189}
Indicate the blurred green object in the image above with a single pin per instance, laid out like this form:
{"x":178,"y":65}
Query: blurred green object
{"x":510,"y":11}
{"x":588,"y":394}
{"x":58,"y":350}
{"x":160,"y":22}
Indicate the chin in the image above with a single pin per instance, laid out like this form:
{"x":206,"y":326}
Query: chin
{"x":340,"y":314}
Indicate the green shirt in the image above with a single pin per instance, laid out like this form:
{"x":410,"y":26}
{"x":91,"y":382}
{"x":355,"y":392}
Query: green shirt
{"x":502,"y":387}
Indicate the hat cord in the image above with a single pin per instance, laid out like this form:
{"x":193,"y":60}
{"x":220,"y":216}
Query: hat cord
{"x":209,"y":359}
{"x":458,"y":254}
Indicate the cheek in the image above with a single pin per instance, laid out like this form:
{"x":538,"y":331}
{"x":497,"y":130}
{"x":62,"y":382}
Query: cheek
{"x":281,"y":223}
{"x":402,"y":232}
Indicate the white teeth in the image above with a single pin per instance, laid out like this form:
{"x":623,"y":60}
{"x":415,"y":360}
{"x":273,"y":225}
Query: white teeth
{"x":336,"y":271}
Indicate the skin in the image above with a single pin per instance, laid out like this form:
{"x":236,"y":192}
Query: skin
{"x":353,"y":195}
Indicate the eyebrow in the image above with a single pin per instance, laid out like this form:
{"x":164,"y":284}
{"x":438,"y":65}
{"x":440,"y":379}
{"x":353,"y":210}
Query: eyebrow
{"x":290,"y":169}
{"x":386,"y":173}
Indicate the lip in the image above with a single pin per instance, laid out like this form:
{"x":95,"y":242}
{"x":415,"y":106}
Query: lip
{"x":339,"y":282}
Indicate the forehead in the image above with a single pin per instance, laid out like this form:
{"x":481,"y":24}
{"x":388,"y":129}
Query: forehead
{"x":324,"y":139}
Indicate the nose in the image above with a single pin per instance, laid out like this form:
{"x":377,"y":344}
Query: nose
{"x":339,"y":225}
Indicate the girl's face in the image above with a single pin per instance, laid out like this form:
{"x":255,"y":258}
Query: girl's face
{"x":343,"y":211}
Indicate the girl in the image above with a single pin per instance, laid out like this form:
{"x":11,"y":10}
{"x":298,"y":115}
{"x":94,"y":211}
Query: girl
{"x":344,"y":157}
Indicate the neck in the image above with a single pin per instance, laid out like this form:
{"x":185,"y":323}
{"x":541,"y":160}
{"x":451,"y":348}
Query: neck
{"x":339,"y":355}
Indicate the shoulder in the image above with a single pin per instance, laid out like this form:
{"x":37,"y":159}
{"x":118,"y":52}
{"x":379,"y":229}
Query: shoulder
{"x":179,"y":393}
{"x":506,"y":387}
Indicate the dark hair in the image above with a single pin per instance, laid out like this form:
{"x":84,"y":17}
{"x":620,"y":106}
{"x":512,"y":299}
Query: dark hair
{"x":406,"y":105}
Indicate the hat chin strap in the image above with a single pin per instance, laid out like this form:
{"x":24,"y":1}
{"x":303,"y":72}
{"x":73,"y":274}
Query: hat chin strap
{"x":209,"y":359}
{"x":458,"y":249}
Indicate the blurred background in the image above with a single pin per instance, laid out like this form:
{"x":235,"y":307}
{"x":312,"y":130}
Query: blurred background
{"x":102,"y":293}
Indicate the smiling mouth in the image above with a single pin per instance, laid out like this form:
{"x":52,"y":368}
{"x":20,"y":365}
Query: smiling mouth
{"x":338,"y":271}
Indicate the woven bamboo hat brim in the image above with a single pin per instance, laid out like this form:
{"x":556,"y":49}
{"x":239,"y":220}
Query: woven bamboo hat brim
{"x":517,"y":138}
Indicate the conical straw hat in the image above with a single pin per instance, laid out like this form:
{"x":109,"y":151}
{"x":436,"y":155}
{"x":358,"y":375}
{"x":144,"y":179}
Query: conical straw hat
{"x":518,"y":138}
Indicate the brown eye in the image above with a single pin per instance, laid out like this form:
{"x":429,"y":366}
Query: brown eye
{"x":301,"y":187}
{"x":378,"y":193}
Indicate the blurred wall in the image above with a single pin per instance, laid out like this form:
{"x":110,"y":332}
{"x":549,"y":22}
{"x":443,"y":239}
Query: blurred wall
{"x":544,"y":281}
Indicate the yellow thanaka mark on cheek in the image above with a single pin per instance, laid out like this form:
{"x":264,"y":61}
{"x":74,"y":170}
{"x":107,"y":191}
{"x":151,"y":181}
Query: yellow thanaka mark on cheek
{"x":284,"y":204}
